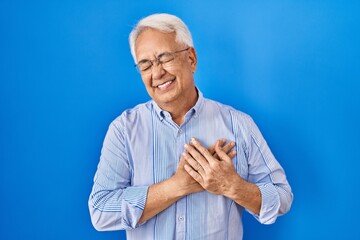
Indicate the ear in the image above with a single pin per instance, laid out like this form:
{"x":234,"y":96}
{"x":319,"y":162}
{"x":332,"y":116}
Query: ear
{"x":192,"y":59}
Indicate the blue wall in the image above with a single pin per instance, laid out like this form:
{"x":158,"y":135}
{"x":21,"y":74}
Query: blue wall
{"x":66,"y":73}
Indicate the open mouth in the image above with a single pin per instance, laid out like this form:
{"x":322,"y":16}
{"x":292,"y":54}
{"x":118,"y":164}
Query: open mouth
{"x":164,"y":85}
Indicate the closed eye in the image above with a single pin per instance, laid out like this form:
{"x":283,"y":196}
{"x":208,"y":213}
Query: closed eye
{"x":165,"y":57}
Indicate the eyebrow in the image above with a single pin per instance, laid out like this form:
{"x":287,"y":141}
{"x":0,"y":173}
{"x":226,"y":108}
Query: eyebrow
{"x":143,"y":60}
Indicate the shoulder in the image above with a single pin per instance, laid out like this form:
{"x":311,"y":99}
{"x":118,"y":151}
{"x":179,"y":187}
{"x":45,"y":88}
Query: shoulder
{"x":132,"y":115}
{"x":226,"y":109}
{"x":241,"y":122}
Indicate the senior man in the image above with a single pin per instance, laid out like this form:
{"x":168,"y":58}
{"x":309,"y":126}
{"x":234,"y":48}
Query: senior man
{"x":181,"y":166}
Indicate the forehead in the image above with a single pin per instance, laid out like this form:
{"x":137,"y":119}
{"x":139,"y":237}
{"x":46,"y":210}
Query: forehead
{"x":151,"y":42}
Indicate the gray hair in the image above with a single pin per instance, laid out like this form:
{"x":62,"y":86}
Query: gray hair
{"x":165,"y":23}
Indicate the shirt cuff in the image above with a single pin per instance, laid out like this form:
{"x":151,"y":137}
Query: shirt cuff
{"x":270,"y":204}
{"x":133,"y":204}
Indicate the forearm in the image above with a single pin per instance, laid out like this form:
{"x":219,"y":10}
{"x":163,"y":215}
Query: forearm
{"x":245,"y":194}
{"x":161,"y":195}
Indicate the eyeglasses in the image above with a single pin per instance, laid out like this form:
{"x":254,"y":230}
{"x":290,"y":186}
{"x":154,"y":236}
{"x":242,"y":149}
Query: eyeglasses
{"x":166,"y":59}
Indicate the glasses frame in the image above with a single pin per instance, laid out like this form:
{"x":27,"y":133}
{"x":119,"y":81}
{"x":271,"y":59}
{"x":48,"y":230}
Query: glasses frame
{"x":157,"y":60}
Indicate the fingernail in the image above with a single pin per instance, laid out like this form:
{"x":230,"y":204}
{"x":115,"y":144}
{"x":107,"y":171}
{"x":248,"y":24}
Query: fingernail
{"x":193,"y":140}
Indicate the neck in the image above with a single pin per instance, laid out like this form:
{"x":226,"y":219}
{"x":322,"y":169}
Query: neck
{"x":179,"y":108}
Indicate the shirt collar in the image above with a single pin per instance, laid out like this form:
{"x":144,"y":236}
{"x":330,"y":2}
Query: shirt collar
{"x":194,"y":111}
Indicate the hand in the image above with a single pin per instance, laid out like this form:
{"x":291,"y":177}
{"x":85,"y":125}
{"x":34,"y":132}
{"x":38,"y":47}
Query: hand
{"x":214,"y":172}
{"x":186,"y":181}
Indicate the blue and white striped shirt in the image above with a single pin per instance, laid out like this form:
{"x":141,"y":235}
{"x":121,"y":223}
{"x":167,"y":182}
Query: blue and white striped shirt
{"x":143,"y":146}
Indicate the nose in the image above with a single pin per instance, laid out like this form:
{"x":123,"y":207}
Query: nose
{"x":157,"y":71}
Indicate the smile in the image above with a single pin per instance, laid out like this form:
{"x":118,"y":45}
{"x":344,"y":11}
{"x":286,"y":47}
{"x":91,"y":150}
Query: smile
{"x":164,"y":85}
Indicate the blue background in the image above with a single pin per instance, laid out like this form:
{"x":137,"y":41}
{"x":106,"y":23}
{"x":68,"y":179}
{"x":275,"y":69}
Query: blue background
{"x":66,"y":72}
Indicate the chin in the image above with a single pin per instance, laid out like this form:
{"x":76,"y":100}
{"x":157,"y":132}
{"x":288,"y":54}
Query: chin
{"x":164,"y":99}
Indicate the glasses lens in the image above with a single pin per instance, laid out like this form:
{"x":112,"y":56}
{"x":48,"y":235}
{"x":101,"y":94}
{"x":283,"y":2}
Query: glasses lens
{"x":166,"y":58}
{"x":144,"y":65}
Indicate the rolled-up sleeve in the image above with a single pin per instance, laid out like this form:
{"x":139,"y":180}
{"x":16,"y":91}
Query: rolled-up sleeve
{"x":266,"y":172}
{"x":114,"y":203}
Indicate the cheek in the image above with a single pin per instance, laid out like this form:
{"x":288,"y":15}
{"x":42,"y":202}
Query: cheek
{"x":185,"y":75}
{"x":146,"y":81}
{"x":181,"y":72}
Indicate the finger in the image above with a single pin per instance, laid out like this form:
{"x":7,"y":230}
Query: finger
{"x":204,"y":152}
{"x":197,"y":156}
{"x":222,"y":154}
{"x":195,"y":175}
{"x":227,"y":147}
{"x":194,"y":164}
{"x":211,"y":149}
{"x":232,"y":154}
{"x":222,"y":141}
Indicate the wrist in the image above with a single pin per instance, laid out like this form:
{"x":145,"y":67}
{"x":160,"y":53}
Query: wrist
{"x":236,"y":185}
{"x":245,"y":194}
{"x":176,"y":188}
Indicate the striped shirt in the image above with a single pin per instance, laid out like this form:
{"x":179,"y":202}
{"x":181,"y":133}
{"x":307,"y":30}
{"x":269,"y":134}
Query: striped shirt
{"x":143,"y":146}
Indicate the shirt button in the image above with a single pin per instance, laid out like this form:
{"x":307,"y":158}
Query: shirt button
{"x":181,"y":218}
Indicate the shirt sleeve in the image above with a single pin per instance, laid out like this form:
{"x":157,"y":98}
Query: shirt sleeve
{"x":114,"y":203}
{"x":266,"y":172}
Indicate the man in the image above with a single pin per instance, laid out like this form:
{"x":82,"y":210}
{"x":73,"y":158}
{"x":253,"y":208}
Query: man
{"x":182,"y":166}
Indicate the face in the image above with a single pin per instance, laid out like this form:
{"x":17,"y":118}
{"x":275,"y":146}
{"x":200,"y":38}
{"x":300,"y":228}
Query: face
{"x":173,"y":84}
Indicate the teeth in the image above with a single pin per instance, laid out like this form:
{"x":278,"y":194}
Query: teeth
{"x":164,"y":84}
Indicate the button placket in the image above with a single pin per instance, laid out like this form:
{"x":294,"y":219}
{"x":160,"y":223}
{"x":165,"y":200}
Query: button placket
{"x":181,"y":203}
